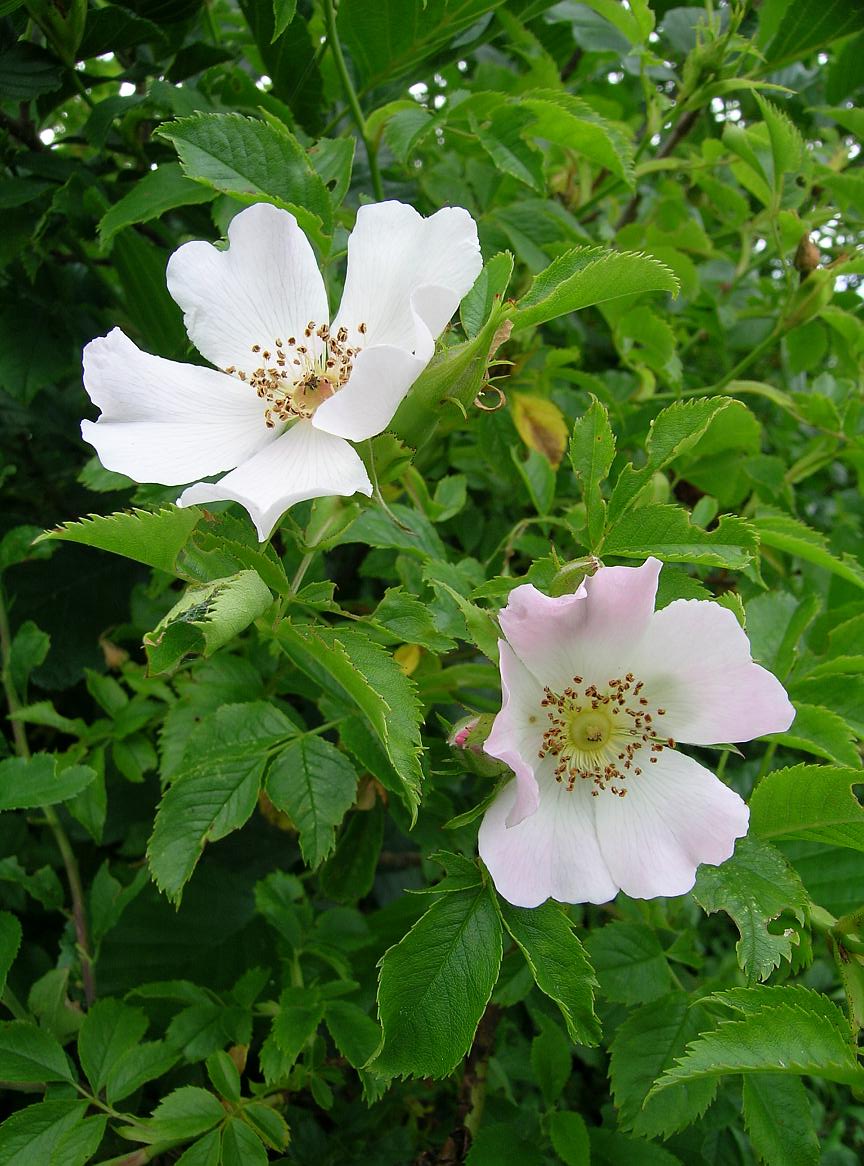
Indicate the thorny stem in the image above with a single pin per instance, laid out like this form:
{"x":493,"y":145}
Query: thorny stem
{"x":351,"y":97}
{"x":73,"y":874}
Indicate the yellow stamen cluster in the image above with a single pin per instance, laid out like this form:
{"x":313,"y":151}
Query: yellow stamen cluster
{"x":600,"y":734}
{"x":298,"y":375}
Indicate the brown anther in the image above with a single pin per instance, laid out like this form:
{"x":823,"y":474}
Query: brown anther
{"x":256,"y":347}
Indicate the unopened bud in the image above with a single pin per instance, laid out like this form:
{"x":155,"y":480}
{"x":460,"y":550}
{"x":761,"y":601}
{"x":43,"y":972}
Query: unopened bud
{"x":469,"y":735}
{"x":807,"y":256}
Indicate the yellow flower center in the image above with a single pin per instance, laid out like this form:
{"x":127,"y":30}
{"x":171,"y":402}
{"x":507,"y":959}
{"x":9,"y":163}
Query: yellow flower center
{"x":298,"y":375}
{"x":601,"y":734}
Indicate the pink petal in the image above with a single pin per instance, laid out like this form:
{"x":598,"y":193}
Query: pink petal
{"x":674,"y":817}
{"x":695,"y":661}
{"x":517,"y":731}
{"x":553,"y":853}
{"x":167,"y":422}
{"x":302,"y":463}
{"x":265,"y":287}
{"x":590,"y":633}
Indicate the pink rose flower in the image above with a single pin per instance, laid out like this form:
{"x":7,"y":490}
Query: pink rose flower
{"x":599,"y":688}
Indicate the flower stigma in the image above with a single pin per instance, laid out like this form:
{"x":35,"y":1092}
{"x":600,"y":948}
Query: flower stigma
{"x":599,"y":734}
{"x":297,"y":376}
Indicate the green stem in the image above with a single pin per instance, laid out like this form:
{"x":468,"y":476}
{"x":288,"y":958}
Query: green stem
{"x":765,"y":346}
{"x":73,"y":875}
{"x":351,"y":98}
{"x":300,"y":573}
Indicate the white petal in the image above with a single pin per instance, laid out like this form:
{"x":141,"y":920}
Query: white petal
{"x":590,"y":633}
{"x":392,"y":253}
{"x":553,"y":853}
{"x":364,"y":406}
{"x":265,"y":287}
{"x":302,"y":463}
{"x":674,"y":817}
{"x":695,"y":660}
{"x":163,"y":421}
{"x":517,"y":731}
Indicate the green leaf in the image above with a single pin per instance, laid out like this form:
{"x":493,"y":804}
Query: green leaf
{"x":158,"y":191}
{"x":390,"y":38}
{"x":487,"y":293}
{"x":500,"y":135}
{"x":353,"y":670}
{"x":241,"y":1146}
{"x":140,"y":267}
{"x":611,"y":1148}
{"x":589,"y":275}
{"x":648,"y":1043}
{"x":30,"y":646}
{"x":813,"y":802}
{"x":551,"y":1060}
{"x":629,"y":961}
{"x":216,"y":789}
{"x":204,"y":1152}
{"x":10,"y":942}
{"x":355,"y":1034}
{"x":410,"y":621}
{"x":539,"y":477}
{"x":779,"y":1121}
{"x":571,"y":122}
{"x":349,"y":872}
{"x":794,"y":537}
{"x":148,"y":1061}
{"x":808,"y":25}
{"x":480,"y":626}
{"x":224,"y":1075}
{"x":283,"y":14}
{"x":30,"y":1055}
{"x":36,"y":781}
{"x":498,"y":1142}
{"x":110,"y":1030}
{"x":188,"y":1112}
{"x":151,"y":537}
{"x":301,"y":1010}
{"x":315,"y":784}
{"x":569,"y":1136}
{"x":79,"y":1144}
{"x":558,"y":963}
{"x":821,"y":732}
{"x":672,"y":433}
{"x":668,"y":533}
{"x":206,"y":619}
{"x":30,"y":1136}
{"x":787,"y":146}
{"x":267,"y":1123}
{"x":592,"y":450}
{"x":755,"y":886}
{"x":435,"y":984}
{"x":253,"y":161}
{"x":790,"y":1030}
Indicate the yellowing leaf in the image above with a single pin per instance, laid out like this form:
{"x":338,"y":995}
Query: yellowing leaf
{"x":407,"y":657}
{"x":541,"y":426}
